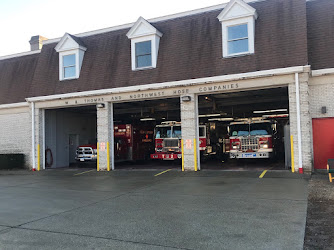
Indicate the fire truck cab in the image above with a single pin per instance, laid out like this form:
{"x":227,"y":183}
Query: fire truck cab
{"x":252,"y":138}
{"x":168,"y":140}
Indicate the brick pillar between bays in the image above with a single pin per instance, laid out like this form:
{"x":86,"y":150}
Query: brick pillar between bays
{"x":305,"y":120}
{"x":39,"y":139}
{"x":189,"y":127}
{"x":104,"y":128}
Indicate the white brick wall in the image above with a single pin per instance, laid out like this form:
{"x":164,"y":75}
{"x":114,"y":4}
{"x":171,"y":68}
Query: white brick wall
{"x":15,"y":132}
{"x":322,"y":94}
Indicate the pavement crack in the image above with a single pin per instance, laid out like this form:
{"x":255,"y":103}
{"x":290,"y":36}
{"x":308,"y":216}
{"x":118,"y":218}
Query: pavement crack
{"x":99,"y":237}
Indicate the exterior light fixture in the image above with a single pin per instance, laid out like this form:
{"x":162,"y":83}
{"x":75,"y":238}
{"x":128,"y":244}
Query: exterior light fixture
{"x":323,"y":110}
{"x":100,"y":105}
{"x":186,"y":98}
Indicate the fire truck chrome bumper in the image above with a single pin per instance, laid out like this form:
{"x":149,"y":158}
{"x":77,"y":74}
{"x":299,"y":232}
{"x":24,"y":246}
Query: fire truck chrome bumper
{"x":166,"y":156}
{"x":249,"y":155}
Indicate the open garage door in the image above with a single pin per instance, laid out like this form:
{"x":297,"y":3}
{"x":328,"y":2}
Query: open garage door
{"x":245,"y":129}
{"x":147,"y":134}
{"x":70,"y":137}
{"x":323,"y":141}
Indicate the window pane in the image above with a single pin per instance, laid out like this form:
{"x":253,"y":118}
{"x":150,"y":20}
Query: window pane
{"x":69,"y":60}
{"x":236,"y":32}
{"x":143,"y":61}
{"x":238,"y":46}
{"x":143,"y":48}
{"x":69,"y":72}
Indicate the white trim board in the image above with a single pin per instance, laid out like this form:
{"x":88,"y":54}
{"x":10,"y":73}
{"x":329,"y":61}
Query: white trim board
{"x":20,"y":54}
{"x":14,"y":105}
{"x":183,"y":83}
{"x":322,"y":72}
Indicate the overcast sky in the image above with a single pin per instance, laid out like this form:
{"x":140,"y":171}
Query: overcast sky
{"x":21,"y":19}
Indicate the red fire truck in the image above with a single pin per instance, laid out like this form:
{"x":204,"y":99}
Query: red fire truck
{"x":131,"y":143}
{"x":168,"y":141}
{"x":252,"y":138}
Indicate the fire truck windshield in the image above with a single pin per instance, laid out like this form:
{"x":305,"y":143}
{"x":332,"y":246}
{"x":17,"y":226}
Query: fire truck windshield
{"x":177,"y":132}
{"x":260,"y":128}
{"x":163,"y":132}
{"x":250,"y":129}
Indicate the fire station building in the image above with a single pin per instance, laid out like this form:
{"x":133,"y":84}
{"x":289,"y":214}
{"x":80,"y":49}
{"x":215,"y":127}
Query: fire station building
{"x":247,"y":59}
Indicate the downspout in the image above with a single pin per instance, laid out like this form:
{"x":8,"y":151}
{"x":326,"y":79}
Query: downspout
{"x":112,"y":137}
{"x":299,"y":134}
{"x":33,"y":136}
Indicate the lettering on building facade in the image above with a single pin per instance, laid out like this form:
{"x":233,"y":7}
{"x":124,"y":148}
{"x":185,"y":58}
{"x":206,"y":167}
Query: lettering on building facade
{"x":147,"y":95}
{"x":180,"y":91}
{"x":219,"y":87}
{"x":94,"y":100}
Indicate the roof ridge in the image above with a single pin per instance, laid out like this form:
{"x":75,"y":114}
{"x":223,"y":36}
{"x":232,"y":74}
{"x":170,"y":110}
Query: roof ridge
{"x":153,"y":20}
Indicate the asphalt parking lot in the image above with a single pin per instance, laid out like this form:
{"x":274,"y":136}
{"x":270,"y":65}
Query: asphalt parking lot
{"x":71,"y":209}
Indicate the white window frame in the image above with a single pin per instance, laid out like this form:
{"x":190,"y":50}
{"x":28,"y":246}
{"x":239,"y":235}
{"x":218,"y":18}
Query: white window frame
{"x":251,"y":35}
{"x":154,"y":51}
{"x":74,"y":65}
{"x":61,"y":64}
{"x":135,"y":59}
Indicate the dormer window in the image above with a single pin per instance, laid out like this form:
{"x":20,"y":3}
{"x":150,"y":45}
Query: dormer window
{"x":238,"y":28}
{"x":143,"y":54}
{"x":71,"y":53}
{"x":145,"y":39}
{"x":69,"y":66}
{"x":237,"y":39}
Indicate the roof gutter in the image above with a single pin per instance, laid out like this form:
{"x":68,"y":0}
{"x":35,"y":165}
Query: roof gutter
{"x":173,"y":84}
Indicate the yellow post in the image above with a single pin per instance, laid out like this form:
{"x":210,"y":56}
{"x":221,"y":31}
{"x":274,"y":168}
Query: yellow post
{"x":182,"y":154}
{"x":97,"y":158}
{"x":38,"y":158}
{"x":292,"y":156}
{"x":195,"y":154}
{"x":108,"y":157}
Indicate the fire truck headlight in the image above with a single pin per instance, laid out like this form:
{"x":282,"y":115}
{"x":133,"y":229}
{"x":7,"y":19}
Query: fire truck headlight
{"x":264,"y":145}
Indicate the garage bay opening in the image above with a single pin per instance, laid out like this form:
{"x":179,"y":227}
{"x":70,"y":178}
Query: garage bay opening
{"x":245,"y":130}
{"x":71,"y":137}
{"x":147,"y":134}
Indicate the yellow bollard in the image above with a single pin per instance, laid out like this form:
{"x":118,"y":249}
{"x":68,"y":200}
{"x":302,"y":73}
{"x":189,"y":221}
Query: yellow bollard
{"x":195,"y":154}
{"x":182,"y":154}
{"x":292,"y":156}
{"x":38,"y":158}
{"x":108,"y":157}
{"x":97,"y":157}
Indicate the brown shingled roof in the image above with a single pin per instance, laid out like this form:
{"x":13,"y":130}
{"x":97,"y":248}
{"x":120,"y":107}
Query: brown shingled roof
{"x":320,"y":22}
{"x":16,"y":76}
{"x":190,"y":48}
